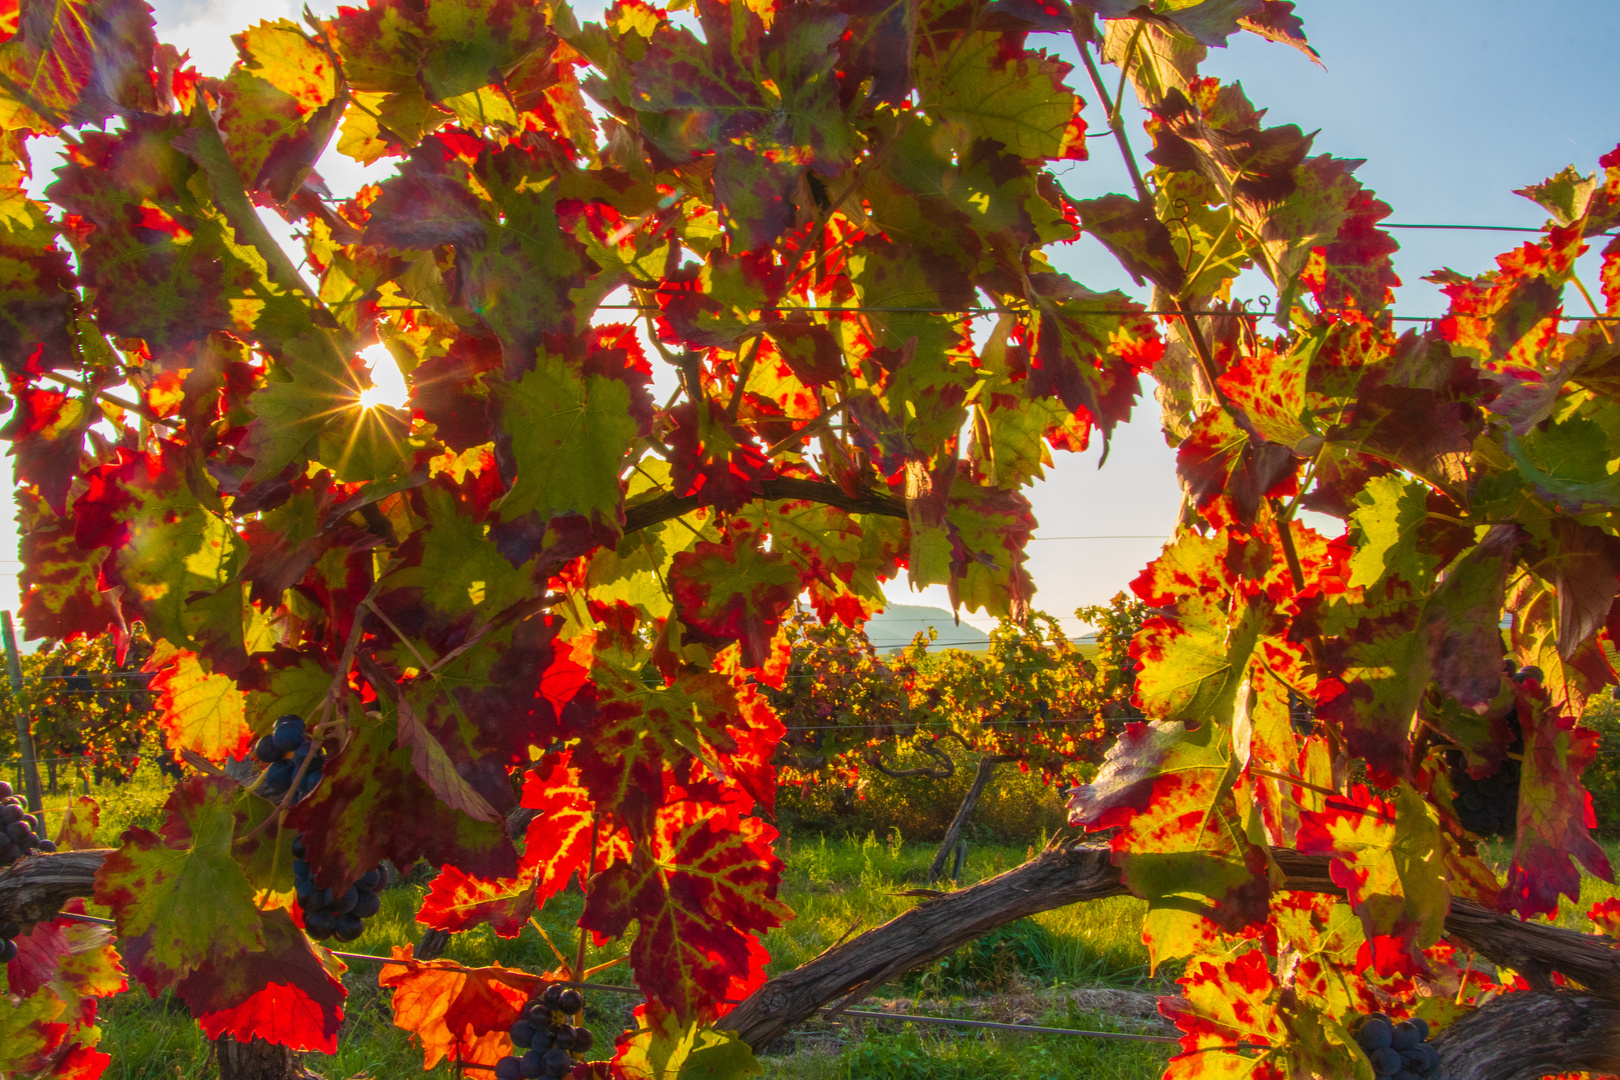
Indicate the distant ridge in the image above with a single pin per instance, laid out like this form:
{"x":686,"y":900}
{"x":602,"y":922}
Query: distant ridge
{"x":899,"y":623}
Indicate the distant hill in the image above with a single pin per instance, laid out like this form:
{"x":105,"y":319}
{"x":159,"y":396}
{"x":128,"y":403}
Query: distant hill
{"x":899,"y":623}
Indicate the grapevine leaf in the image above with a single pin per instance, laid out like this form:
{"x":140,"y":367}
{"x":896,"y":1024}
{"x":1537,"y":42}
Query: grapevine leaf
{"x":734,"y":591}
{"x":80,"y":820}
{"x":199,"y":711}
{"x":1138,"y":239}
{"x":982,"y":89}
{"x":1171,"y":789}
{"x":29,"y":1030}
{"x":62,"y":597}
{"x":1555,"y":812}
{"x":557,"y":845}
{"x":78,"y":62}
{"x":36,"y":324}
{"x":179,"y":900}
{"x":371,"y":805}
{"x":286,"y":993}
{"x":661,"y":1046}
{"x":46,"y":431}
{"x":74,"y":959}
{"x":279,"y":107}
{"x":1227,"y":1012}
{"x":562,"y":433}
{"x":1386,"y":856}
{"x":696,"y":889}
{"x":165,"y":543}
{"x":456,"y":1013}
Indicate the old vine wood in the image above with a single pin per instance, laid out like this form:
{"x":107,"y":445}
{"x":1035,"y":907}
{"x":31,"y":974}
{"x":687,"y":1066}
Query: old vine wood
{"x":701,"y":314}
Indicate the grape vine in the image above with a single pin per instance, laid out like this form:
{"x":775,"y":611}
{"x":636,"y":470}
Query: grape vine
{"x":775,"y":314}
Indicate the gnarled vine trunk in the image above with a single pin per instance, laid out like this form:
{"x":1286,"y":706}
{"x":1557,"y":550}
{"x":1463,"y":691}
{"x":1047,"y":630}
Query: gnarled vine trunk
{"x":981,"y":779}
{"x":257,"y":1060}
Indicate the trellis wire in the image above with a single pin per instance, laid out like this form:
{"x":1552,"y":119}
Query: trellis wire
{"x":1259,"y":313}
{"x":860,"y":1013}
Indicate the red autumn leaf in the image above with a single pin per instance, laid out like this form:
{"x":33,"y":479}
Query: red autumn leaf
{"x":734,"y":591}
{"x":1387,"y":856}
{"x":698,"y":888}
{"x":557,"y":845}
{"x":455,"y":1013}
{"x":287,"y":993}
{"x":1555,"y":812}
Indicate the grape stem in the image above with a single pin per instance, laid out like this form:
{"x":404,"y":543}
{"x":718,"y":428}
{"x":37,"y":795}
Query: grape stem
{"x":339,"y":683}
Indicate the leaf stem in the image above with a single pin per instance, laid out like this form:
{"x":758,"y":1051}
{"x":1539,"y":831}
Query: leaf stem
{"x":1115,"y":122}
{"x":1296,"y":781}
{"x":1602,"y":326}
{"x":578,"y":971}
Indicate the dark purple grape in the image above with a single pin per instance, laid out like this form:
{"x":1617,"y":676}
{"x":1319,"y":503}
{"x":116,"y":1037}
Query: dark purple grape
{"x":522,"y":1034}
{"x":8,"y":951}
{"x":1374,"y":1033}
{"x":45,"y":845}
{"x":533,"y":1065}
{"x":508,"y":1068}
{"x":266,"y":751}
{"x":558,"y":1062}
{"x":349,"y":927}
{"x":10,"y":813}
{"x":369,"y":880}
{"x":1385,"y":1062}
{"x":299,"y":850}
{"x":562,"y":1037}
{"x":368,"y":905}
{"x":1423,"y":1027}
{"x":5,"y":790}
{"x":539,"y":1017}
{"x":20,"y":833}
{"x":552,"y":995}
{"x":289,"y":734}
{"x":345,"y":901}
{"x":320,"y":924}
{"x":1405,"y":1036}
{"x":570,"y":1001}
{"x":278,"y":776}
{"x":582,"y":1040}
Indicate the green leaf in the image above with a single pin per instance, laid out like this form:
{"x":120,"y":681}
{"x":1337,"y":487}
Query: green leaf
{"x":980,"y":88}
{"x":566,"y":434}
{"x":180,"y":901}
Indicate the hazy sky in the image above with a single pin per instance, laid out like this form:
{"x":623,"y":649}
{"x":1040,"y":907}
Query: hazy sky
{"x":1453,"y":104}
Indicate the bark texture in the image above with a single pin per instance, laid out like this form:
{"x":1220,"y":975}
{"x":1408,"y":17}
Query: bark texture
{"x":257,"y":1060}
{"x":1527,"y":1036}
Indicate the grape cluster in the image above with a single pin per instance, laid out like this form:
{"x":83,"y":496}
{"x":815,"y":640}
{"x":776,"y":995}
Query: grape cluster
{"x":328,"y":914}
{"x":1397,"y":1051}
{"x":548,"y":1044}
{"x":284,"y":751}
{"x":19,"y":830}
{"x":1489,"y":806}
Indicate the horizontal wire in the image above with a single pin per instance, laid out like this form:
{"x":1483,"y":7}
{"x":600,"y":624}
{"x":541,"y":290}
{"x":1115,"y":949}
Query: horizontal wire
{"x":864,"y":1014}
{"x":1473,"y":228}
{"x":1166,"y":312}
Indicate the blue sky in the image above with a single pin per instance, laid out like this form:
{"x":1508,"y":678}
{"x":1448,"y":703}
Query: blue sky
{"x":1453,"y":104}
